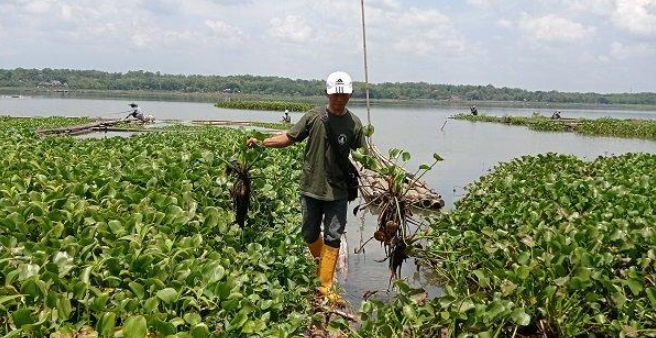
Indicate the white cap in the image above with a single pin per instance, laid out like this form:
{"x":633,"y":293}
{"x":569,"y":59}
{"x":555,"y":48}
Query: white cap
{"x":339,"y":83}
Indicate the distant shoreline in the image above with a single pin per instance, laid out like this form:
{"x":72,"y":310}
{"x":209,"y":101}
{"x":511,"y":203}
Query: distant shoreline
{"x":177,"y":96}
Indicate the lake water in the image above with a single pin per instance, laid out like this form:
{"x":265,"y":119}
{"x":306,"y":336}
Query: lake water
{"x":469,"y":149}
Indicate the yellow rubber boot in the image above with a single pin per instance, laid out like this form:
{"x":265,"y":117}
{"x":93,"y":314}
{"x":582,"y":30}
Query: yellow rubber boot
{"x":329,"y":257}
{"x":315,"y":247}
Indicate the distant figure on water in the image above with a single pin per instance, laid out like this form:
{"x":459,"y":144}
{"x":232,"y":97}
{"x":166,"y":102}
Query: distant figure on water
{"x":474,"y":111}
{"x":556,"y":115}
{"x":286,"y":118}
{"x":137,"y":114}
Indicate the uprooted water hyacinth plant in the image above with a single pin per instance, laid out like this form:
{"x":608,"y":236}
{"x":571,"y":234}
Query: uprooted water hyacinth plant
{"x":395,"y":213}
{"x":239,"y":167}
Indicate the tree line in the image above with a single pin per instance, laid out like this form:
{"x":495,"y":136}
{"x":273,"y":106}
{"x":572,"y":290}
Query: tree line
{"x":272,"y":85}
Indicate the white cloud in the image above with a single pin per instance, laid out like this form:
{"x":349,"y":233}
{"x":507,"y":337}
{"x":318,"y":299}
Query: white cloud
{"x":140,"y":40}
{"x":222,"y":29}
{"x":423,"y":32}
{"x":624,"y":52}
{"x":504,"y":23}
{"x":72,"y":21}
{"x":218,"y":33}
{"x":219,"y":27}
{"x":292,"y":29}
{"x":231,"y":2}
{"x":38,"y":7}
{"x":119,"y":22}
{"x":386,"y":4}
{"x":67,"y":12}
{"x":636,"y":16}
{"x":601,"y":7}
{"x":480,"y":2}
{"x":551,"y":28}
{"x":603,"y":58}
{"x":410,"y":31}
{"x":417,"y":40}
{"x":162,"y":7}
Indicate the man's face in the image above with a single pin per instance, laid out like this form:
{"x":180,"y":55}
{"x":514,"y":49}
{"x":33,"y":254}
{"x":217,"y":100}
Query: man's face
{"x":338,"y":101}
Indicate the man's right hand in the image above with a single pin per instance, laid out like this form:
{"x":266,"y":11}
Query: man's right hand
{"x":280,"y":140}
{"x":253,"y":142}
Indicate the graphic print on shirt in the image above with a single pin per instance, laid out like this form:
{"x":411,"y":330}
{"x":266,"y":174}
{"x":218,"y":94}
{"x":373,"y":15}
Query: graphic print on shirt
{"x":342,"y":139}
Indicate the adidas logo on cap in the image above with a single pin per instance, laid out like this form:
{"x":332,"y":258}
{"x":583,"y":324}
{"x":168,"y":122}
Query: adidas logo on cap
{"x":339,"y":83}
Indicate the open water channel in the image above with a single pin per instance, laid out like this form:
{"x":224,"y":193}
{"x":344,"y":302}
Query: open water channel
{"x":470,"y":150}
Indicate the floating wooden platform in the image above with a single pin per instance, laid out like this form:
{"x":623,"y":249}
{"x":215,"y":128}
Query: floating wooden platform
{"x":100,"y":125}
{"x":373,"y":186}
{"x":114,"y":125}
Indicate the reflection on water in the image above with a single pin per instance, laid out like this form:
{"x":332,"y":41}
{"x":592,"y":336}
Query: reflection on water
{"x":366,"y":273}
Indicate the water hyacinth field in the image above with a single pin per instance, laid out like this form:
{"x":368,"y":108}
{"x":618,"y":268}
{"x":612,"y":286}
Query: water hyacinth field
{"x":266,"y":105}
{"x":613,"y":127}
{"x":544,"y":246}
{"x":128,"y":236}
{"x":136,"y":237}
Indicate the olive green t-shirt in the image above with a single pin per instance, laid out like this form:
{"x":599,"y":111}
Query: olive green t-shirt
{"x":322,"y":177}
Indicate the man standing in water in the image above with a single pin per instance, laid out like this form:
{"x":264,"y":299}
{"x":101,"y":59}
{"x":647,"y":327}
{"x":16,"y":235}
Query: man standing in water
{"x":474,"y":111}
{"x":286,"y":118}
{"x":323,"y":185}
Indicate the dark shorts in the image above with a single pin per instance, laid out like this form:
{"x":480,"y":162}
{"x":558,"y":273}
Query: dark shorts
{"x":331,"y":213}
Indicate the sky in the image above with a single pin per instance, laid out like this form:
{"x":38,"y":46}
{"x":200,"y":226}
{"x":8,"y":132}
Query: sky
{"x":566,"y":45}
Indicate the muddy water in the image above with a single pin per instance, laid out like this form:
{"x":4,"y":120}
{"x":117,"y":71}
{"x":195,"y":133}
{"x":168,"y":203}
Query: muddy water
{"x":469,"y":149}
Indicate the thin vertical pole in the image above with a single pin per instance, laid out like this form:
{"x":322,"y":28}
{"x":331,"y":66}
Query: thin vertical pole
{"x":366,"y":71}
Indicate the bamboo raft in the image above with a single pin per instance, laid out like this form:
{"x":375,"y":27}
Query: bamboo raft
{"x":99,"y":125}
{"x":103,"y":125}
{"x":420,"y":195}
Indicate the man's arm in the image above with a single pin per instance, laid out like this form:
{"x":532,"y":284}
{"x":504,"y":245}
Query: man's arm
{"x":277,"y":141}
{"x":297,"y":133}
